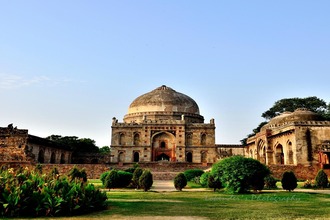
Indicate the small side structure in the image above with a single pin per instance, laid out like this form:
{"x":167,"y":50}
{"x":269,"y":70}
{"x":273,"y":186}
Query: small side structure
{"x":17,"y":146}
{"x":294,"y":138}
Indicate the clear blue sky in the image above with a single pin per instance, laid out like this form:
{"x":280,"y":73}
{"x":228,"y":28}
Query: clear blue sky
{"x":68,"y":67}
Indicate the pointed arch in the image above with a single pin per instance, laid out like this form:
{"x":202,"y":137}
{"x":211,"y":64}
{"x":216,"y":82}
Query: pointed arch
{"x":189,"y":157}
{"x":203,"y":139}
{"x":289,"y":152}
{"x":189,"y":139}
{"x":41,"y":156}
{"x":53,"y":157}
{"x":136,"y":139}
{"x":121,"y":157}
{"x":136,"y":157}
{"x":121,"y":139}
{"x":204,"y":157}
{"x":62,"y":161}
{"x":279,"y":154}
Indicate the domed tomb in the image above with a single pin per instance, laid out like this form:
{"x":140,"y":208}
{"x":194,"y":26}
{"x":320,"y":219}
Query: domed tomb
{"x":299,"y":115}
{"x":163,"y":103}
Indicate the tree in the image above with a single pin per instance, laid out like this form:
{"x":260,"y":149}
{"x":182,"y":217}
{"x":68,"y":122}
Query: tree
{"x":321,"y":179}
{"x":180,"y":181}
{"x":240,"y":174}
{"x":289,"y":181}
{"x":104,"y":150}
{"x":111,"y":180}
{"x":145,"y":180}
{"x":291,"y":104}
{"x":136,"y":176}
{"x":77,"y":145}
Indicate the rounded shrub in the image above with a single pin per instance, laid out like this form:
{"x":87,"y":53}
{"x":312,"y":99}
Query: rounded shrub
{"x":203,"y":179}
{"x":321,"y":179}
{"x":145,"y":180}
{"x":124,"y":178}
{"x":111,"y":180}
{"x":192,"y":173}
{"x":270,"y":182}
{"x":103,"y":176}
{"x":240,"y":174}
{"x":180,"y":181}
{"x":289,"y":181}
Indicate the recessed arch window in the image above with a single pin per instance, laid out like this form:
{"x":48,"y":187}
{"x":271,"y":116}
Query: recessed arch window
{"x":203,"y":139}
{"x":121,"y":139}
{"x":136,"y":139}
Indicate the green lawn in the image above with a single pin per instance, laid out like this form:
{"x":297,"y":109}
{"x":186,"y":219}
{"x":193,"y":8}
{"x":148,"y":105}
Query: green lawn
{"x":279,"y":205}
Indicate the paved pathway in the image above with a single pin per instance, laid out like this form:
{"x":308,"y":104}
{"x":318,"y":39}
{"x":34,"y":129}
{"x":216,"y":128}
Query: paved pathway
{"x":168,"y":186}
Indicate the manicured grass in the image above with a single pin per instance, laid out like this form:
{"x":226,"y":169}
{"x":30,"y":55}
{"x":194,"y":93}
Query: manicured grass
{"x":219,"y":205}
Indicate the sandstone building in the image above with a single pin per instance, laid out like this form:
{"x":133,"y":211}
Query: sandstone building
{"x":292,"y":138}
{"x":165,"y":125}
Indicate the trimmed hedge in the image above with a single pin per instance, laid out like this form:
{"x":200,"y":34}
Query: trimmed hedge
{"x":180,"y":181}
{"x":192,"y":173}
{"x":289,"y":181}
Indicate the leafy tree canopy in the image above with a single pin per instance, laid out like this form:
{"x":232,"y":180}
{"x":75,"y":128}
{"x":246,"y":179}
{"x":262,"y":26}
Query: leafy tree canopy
{"x":313,"y":103}
{"x":85,"y":145}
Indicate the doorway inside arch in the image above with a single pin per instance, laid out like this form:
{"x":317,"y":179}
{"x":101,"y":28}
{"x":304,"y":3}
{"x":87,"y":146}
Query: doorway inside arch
{"x":189,"y":157}
{"x":136,"y":157}
{"x":162,"y":157}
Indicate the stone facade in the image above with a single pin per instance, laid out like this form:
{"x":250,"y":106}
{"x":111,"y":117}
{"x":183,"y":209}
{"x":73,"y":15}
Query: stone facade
{"x":292,"y":138}
{"x":16,"y":145}
{"x":164,"y":125}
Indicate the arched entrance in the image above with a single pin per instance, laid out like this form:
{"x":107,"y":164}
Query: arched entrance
{"x":53,"y":157}
{"x":121,"y":157}
{"x":62,"y":161}
{"x":136,"y":157}
{"x":163,"y":157}
{"x":189,"y":157}
{"x":279,"y":156}
{"x":41,"y":156}
{"x":163,"y":147}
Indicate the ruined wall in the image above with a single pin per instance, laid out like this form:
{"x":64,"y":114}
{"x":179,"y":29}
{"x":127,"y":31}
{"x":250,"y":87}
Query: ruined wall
{"x":13,"y":141}
{"x":302,"y":172}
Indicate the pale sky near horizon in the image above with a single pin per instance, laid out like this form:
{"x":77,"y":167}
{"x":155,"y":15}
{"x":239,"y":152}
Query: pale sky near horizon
{"x":68,"y":67}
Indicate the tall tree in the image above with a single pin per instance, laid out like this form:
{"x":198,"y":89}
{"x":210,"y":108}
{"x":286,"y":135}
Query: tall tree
{"x":312,"y":103}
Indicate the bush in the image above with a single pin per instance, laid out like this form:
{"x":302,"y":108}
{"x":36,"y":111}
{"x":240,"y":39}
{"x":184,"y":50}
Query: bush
{"x":111,"y":180}
{"x":145,"y":180}
{"x":203,"y":179}
{"x":214,"y":182}
{"x":124,"y":178}
{"x":103,"y":176}
{"x":180,"y":181}
{"x":191,"y":174}
{"x":136,"y":176}
{"x":321,"y":179}
{"x":240,"y":174}
{"x":26,"y":193}
{"x":289,"y":181}
{"x":309,"y":184}
{"x":270,"y":182}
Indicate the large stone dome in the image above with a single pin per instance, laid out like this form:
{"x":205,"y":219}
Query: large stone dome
{"x":163,"y":103}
